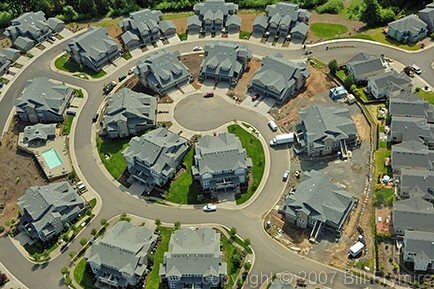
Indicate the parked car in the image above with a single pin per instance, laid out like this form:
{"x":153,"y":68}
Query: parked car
{"x":272,"y":125}
{"x":255,"y":97}
{"x":122,"y":77}
{"x":416,"y":69}
{"x":285,"y":176}
{"x":197,"y":48}
{"x":70,"y":112}
{"x":95,"y":117}
{"x":131,"y":70}
{"x":209,"y":208}
{"x":109,"y":87}
{"x":297,"y":174}
{"x":208,"y":94}
{"x":52,"y":38}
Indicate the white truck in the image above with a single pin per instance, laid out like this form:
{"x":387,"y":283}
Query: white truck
{"x":282,"y":139}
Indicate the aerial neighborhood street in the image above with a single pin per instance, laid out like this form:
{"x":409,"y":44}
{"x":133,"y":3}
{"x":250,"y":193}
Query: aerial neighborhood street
{"x":184,"y":150}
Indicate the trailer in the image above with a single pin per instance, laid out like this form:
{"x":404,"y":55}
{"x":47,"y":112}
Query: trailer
{"x":356,"y":249}
{"x":282,"y":139}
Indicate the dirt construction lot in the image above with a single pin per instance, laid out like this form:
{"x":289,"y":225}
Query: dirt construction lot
{"x":350,"y":174}
{"x":19,"y":172}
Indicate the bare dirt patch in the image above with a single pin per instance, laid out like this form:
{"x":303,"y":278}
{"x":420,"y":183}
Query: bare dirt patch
{"x":19,"y":172}
{"x":363,"y":129}
{"x":318,"y":82}
{"x":240,"y":90}
{"x":354,"y":27}
{"x":181,"y":24}
{"x":111,"y":24}
{"x":247,"y":21}
{"x":193,"y":62}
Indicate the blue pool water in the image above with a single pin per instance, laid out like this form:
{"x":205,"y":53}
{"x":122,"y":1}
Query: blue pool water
{"x":52,"y":158}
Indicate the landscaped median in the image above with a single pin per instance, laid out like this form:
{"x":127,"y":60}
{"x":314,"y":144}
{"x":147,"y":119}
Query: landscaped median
{"x":63,"y":63}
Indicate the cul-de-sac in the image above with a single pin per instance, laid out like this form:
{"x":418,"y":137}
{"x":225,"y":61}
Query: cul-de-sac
{"x":199,"y":144}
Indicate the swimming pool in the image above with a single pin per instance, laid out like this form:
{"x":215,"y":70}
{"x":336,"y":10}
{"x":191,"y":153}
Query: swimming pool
{"x":51,"y":158}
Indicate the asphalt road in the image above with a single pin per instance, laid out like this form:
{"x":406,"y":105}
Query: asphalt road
{"x":271,"y":257}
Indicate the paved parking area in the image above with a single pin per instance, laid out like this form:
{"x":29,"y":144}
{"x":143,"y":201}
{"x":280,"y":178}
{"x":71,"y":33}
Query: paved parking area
{"x":262,"y":104}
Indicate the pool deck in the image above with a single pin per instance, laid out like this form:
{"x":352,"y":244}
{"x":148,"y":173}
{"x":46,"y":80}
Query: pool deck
{"x":60,"y":145}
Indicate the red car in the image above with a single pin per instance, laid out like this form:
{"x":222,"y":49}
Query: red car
{"x":208,"y":94}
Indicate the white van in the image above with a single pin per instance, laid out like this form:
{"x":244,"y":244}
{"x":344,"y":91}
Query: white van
{"x":416,"y":69}
{"x":272,"y":125}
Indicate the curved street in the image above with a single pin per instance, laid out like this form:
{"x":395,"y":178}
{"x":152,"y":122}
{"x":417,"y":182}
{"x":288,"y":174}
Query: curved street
{"x":271,"y":257}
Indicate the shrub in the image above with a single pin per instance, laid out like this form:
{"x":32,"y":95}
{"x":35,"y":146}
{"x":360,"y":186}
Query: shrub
{"x":2,"y":229}
{"x":157,"y":222}
{"x":233,"y":232}
{"x":103,"y":222}
{"x":333,"y":65}
{"x":177,"y":225}
{"x":64,"y":270}
{"x":83,"y":241}
{"x":93,"y":232}
{"x":417,"y":89}
{"x":331,"y":6}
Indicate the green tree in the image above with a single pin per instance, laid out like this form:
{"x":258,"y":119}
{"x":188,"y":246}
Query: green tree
{"x":86,"y":7}
{"x":70,"y":14}
{"x":103,"y":222}
{"x":387,"y":15}
{"x":158,"y":222}
{"x":83,"y":241}
{"x":247,"y":242}
{"x":93,"y":232}
{"x":177,"y":225}
{"x":67,"y":281}
{"x":150,"y":260}
{"x":64,"y":270}
{"x":233,"y":232}
{"x":333,"y":66}
{"x":65,"y":237}
{"x":5,"y":18}
{"x":371,"y":14}
{"x":349,"y":81}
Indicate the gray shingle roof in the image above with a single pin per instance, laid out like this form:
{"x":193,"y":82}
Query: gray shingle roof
{"x":321,"y":199}
{"x":194,"y":252}
{"x":220,"y":153}
{"x":23,"y":42}
{"x":95,"y":43}
{"x":158,"y":149}
{"x":282,"y":11}
{"x":301,"y":28}
{"x":233,"y":20}
{"x":39,"y":131}
{"x":421,"y":243}
{"x":390,"y":79}
{"x":142,"y":21}
{"x":225,"y":59}
{"x":412,"y":154}
{"x":215,"y":9}
{"x":413,"y":214}
{"x":363,"y":63}
{"x":413,"y":128}
{"x":10,"y":54}
{"x":194,"y":20}
{"x":128,"y":36}
{"x":262,"y":21}
{"x":29,"y":22}
{"x":126,"y":106}
{"x":322,"y":122}
{"x":166,"y":25}
{"x":162,"y":68}
{"x":427,"y":15}
{"x":46,"y":203}
{"x":53,"y":22}
{"x":409,"y":104}
{"x":123,"y":248}
{"x":410,"y":23}
{"x":279,"y":73}
{"x":417,"y":183}
{"x":42,"y":94}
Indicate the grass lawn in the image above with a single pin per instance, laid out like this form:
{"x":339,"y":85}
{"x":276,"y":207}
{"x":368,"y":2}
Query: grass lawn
{"x":83,"y":276}
{"x":378,"y":35}
{"x":245,"y":34}
{"x":182,"y":189}
{"x":228,"y":253}
{"x":341,"y":75}
{"x":384,"y":196}
{"x":328,"y":30}
{"x":427,"y":95}
{"x":127,"y":56}
{"x":92,"y":203}
{"x":63,"y":64}
{"x":241,"y":242}
{"x":39,"y":248}
{"x":67,"y":124}
{"x":379,"y":157}
{"x":183,"y":36}
{"x":116,"y":164}
{"x":255,"y":151}
{"x":170,"y":16}
{"x":154,"y":281}
{"x":318,"y":63}
{"x":79,"y":93}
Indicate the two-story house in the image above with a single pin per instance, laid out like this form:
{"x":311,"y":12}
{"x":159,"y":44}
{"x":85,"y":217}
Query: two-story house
{"x":43,"y":100}
{"x":419,"y":250}
{"x":32,"y":28}
{"x":416,"y":184}
{"x":221,"y":163}
{"x":389,"y":84}
{"x":225,"y":62}
{"x":363,"y":65}
{"x":154,"y":157}
{"x":214,"y":16}
{"x":143,"y":27}
{"x":414,"y":214}
{"x":317,"y":202}
{"x":278,"y":78}
{"x":93,"y":49}
{"x":128,"y":113}
{"x":163,"y":72}
{"x":194,"y":260}
{"x":409,"y":29}
{"x":7,"y":57}
{"x":323,"y":130}
{"x":48,"y":210}
{"x":119,"y":259}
